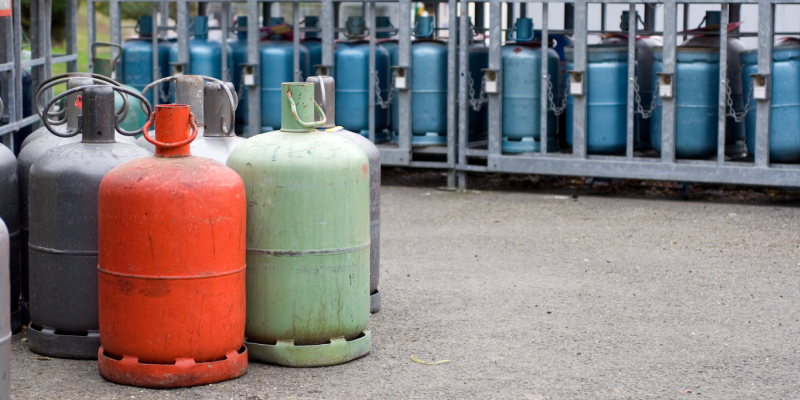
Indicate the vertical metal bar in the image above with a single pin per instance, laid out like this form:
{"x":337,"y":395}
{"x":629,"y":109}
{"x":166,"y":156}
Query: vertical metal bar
{"x":452,"y":90}
{"x":16,"y":15}
{"x":37,"y":72}
{"x":546,"y":79}
{"x":254,"y":91}
{"x":266,"y":10}
{"x":45,"y":8}
{"x":463,"y":70}
{"x":7,"y":78}
{"x":224,"y":26}
{"x":115,"y":18}
{"x":668,"y":105}
{"x":685,"y":25}
{"x":496,"y":64}
{"x":298,"y":74}
{"x":766,"y":12}
{"x":164,"y":18}
{"x":71,"y":20}
{"x":722,"y":86}
{"x":404,"y":60}
{"x":603,"y":17}
{"x":91,"y":29}
{"x":650,"y":17}
{"x":154,"y":64}
{"x":569,"y":14}
{"x":328,"y":35}
{"x":183,"y":36}
{"x":579,"y":102}
{"x":373,"y":74}
{"x":631,"y":76}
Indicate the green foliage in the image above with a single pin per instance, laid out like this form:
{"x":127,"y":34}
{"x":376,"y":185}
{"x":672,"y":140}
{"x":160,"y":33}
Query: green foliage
{"x":129,"y":10}
{"x":58,"y":24}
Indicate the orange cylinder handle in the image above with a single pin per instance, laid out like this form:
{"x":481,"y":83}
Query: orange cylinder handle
{"x":155,"y":142}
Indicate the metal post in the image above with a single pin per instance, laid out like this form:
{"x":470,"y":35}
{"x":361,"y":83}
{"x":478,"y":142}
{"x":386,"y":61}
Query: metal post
{"x":668,"y":105}
{"x":328,"y":35}
{"x":650,"y":17}
{"x":766,"y":12}
{"x":569,"y":16}
{"x":404,"y":61}
{"x":7,"y":79}
{"x":71,"y":19}
{"x":579,"y":102}
{"x":183,"y":36}
{"x":685,"y":25}
{"x":91,"y":28}
{"x":463,"y":69}
{"x":603,"y":17}
{"x":37,"y":72}
{"x":545,"y":79}
{"x":266,"y":10}
{"x":253,"y":92}
{"x":631,"y":76}
{"x":373,"y":74}
{"x":115,"y":18}
{"x":45,"y":9}
{"x":722,"y":86}
{"x":495,"y":123}
{"x":298,"y":74}
{"x":224,"y":26}
{"x":452,"y":100}
{"x":164,"y":19}
{"x":16,"y":15}
{"x":154,"y":42}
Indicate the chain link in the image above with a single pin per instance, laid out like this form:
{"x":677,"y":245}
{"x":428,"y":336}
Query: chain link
{"x":482,"y":98}
{"x":557,"y":110}
{"x":646,"y":113}
{"x":383,"y":104}
{"x":738,"y":117}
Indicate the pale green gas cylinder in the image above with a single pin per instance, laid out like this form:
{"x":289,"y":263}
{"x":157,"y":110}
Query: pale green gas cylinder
{"x":308,"y":239}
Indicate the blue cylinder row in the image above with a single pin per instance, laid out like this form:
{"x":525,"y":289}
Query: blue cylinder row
{"x":136,"y":68}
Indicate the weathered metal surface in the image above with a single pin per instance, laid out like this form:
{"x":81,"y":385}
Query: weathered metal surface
{"x":9,"y":212}
{"x":607,"y":99}
{"x":5,"y":318}
{"x":63,"y":191}
{"x":172,"y":264}
{"x":315,"y":198}
{"x":324,"y":94}
{"x":696,"y":99}
{"x":784,"y":136}
{"x":522,"y":80}
{"x":218,"y":139}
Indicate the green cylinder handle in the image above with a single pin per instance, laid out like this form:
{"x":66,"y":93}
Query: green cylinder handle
{"x":312,"y":124}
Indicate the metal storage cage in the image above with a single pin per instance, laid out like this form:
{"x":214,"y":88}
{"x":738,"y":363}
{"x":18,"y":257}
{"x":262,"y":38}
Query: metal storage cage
{"x":41,"y":62}
{"x":460,"y":156}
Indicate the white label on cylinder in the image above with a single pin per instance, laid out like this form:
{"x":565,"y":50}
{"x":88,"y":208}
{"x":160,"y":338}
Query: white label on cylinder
{"x":760,"y":93}
{"x":400,"y":82}
{"x":576,"y":88}
{"x":491,"y":87}
{"x":249,"y":80}
{"x":665,"y":91}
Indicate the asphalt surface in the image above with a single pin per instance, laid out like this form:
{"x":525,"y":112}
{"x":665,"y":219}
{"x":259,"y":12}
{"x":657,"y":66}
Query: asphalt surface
{"x":543,"y":295}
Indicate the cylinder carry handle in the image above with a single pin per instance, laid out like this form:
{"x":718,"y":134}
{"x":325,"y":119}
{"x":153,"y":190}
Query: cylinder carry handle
{"x":312,"y":124}
{"x":108,"y":44}
{"x":59,"y":79}
{"x":234,"y":101}
{"x":184,"y":142}
{"x":119,"y":89}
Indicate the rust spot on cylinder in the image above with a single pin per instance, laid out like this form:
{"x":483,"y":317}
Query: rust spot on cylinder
{"x":517,"y":49}
{"x":364,"y":170}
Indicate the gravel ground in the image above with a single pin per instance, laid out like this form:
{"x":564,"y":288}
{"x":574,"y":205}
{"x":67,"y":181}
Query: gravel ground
{"x":533,"y":293}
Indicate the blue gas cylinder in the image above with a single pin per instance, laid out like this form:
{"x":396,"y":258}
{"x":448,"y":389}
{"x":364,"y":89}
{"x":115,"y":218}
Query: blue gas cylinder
{"x":522,"y":94}
{"x":353,"y":81}
{"x":136,"y":68}
{"x":607,"y":99}
{"x":313,"y":42}
{"x":238,"y":46}
{"x":277,"y":67}
{"x":205,"y":57}
{"x":428,"y":88}
{"x":697,"y":102}
{"x":784,"y":135}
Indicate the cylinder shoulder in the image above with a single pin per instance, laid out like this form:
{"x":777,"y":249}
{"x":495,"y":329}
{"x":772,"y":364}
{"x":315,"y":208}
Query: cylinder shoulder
{"x":286,"y":148}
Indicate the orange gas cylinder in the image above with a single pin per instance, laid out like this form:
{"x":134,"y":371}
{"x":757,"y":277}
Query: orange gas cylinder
{"x":172,"y":264}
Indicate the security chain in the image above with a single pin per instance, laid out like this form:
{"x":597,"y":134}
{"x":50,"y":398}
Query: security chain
{"x":556,"y":110}
{"x":738,"y":117}
{"x":646,"y":113}
{"x":383,"y":104}
{"x":477,"y":103}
